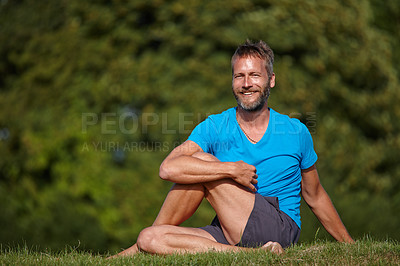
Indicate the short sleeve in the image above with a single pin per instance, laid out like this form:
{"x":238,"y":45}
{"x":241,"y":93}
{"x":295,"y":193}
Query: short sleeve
{"x":203,"y":135}
{"x":309,"y":156}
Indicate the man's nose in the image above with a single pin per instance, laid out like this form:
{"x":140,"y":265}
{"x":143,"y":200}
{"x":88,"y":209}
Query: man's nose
{"x":247,"y":82}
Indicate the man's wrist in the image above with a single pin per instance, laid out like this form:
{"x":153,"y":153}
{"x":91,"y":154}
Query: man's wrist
{"x":230,"y":169}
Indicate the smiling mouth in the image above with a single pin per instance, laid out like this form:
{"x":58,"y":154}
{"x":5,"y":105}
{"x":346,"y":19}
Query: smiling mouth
{"x":248,"y":93}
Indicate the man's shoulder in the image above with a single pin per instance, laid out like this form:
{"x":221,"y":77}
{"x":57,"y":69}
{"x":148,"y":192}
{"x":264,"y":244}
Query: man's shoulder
{"x":214,"y":125}
{"x":283,"y":117}
{"x":223,"y":116}
{"x":286,"y":120}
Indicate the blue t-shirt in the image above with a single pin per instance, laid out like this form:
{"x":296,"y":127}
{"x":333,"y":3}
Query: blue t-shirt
{"x":284,"y":150}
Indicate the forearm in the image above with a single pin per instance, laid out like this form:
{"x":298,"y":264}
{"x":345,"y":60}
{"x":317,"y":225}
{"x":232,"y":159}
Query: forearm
{"x":329,"y":218}
{"x":188,"y":164}
{"x":190,"y":170}
{"x":321,"y":205}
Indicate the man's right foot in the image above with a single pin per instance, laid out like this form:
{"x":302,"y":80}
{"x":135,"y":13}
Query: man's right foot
{"x":274,"y":247}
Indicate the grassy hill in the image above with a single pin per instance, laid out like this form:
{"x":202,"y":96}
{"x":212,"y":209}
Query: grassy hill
{"x":363,"y":252}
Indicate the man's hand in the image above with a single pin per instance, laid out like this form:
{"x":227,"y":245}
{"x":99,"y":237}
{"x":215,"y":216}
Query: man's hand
{"x":245,"y":174}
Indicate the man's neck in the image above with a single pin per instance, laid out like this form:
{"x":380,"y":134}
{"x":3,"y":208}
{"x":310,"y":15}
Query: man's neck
{"x":255,"y":119}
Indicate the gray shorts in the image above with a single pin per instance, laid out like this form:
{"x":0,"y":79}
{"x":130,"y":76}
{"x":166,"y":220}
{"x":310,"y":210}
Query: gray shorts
{"x":266,"y":223}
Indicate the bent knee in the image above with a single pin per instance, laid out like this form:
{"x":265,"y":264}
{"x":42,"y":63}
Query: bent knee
{"x":146,"y":238}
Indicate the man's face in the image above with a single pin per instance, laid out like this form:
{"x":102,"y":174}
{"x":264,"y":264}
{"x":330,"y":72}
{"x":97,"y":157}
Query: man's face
{"x":250,"y":83}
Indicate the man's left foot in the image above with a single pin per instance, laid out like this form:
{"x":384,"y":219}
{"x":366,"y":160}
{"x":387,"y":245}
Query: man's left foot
{"x":127,"y":252}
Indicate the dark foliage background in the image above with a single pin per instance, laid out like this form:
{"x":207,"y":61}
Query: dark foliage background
{"x":94,"y":94}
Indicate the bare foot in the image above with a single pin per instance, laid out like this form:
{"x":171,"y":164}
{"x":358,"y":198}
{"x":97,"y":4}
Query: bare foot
{"x":127,"y":252}
{"x":274,"y":247}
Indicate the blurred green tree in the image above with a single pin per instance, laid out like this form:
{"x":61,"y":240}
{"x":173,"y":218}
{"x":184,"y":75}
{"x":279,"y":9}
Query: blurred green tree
{"x":95,"y":94}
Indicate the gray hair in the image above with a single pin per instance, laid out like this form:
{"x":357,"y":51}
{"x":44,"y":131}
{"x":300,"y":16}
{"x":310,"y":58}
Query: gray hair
{"x":256,"y":49}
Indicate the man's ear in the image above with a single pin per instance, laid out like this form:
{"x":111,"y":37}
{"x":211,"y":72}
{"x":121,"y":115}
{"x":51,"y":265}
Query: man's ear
{"x":272,"y":81}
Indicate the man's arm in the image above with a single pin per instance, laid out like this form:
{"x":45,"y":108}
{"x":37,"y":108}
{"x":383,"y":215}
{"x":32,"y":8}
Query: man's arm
{"x":321,"y":205}
{"x":182,"y":166}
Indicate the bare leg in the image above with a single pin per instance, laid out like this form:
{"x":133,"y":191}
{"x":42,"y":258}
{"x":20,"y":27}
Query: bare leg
{"x":182,"y":200}
{"x":232,"y":202}
{"x":168,"y":239}
{"x":180,"y":204}
{"x":189,"y":198}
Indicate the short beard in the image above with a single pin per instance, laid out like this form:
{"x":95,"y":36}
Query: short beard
{"x":257,"y":105}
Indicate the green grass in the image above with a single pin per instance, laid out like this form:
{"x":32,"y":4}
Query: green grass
{"x":363,"y":252}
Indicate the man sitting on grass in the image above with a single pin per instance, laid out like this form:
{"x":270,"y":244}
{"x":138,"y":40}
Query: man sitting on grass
{"x":251,"y":163}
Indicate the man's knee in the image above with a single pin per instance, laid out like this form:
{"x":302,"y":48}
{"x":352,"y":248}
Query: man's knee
{"x":147,"y":239}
